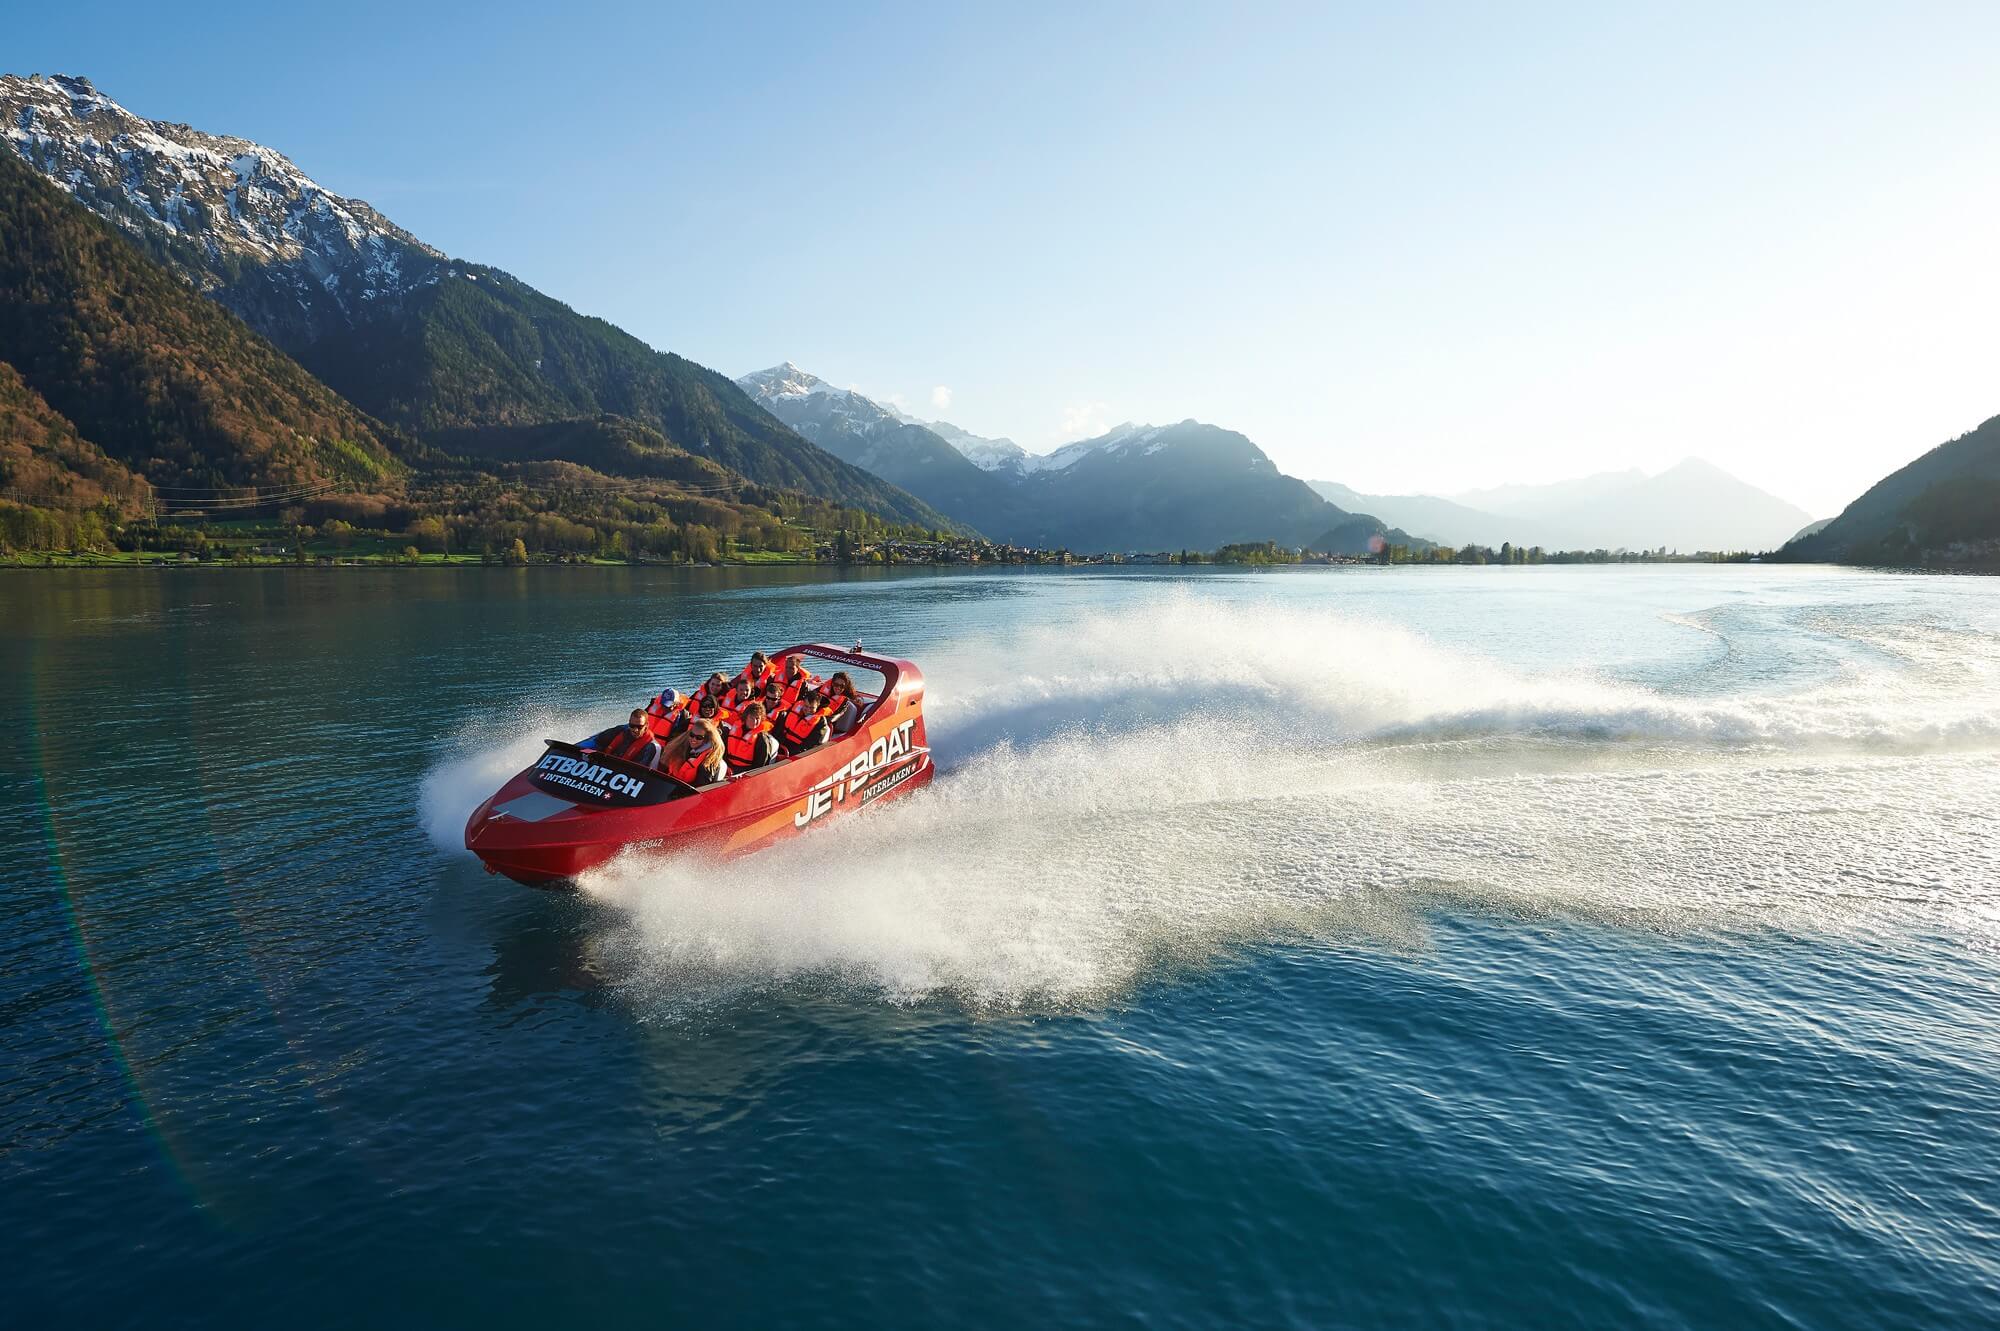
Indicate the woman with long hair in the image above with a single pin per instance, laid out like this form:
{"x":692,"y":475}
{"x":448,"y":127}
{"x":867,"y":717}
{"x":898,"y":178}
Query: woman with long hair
{"x":839,"y":697}
{"x":696,"y":756}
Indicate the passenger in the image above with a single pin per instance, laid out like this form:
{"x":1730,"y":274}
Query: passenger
{"x":667,"y":715}
{"x":773,"y":699}
{"x":715,"y":686}
{"x":749,"y":743}
{"x":846,"y":710}
{"x":698,"y":759}
{"x":804,"y":725}
{"x":747,"y":687}
{"x":715,"y":691}
{"x":795,"y":679}
{"x":633,"y":741}
{"x":705,"y":709}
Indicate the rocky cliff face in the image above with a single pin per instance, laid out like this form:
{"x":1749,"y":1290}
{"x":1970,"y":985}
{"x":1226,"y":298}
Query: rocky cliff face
{"x":238,"y":220}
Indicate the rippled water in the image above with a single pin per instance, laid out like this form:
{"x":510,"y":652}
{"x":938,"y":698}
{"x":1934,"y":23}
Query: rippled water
{"x":1530,"y":947}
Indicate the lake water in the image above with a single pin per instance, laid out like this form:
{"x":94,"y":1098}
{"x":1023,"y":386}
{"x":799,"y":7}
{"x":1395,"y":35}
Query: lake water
{"x":1555,"y":947}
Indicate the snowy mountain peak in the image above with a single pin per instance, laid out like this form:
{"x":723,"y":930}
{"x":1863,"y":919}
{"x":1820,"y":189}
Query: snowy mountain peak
{"x":785,"y":380}
{"x":986,"y":454}
{"x":203,"y":201}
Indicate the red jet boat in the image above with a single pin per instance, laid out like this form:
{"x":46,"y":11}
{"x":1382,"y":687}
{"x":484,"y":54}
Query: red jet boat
{"x":575,"y":808}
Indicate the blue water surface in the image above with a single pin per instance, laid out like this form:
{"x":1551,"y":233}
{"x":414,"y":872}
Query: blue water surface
{"x":1473,"y":948}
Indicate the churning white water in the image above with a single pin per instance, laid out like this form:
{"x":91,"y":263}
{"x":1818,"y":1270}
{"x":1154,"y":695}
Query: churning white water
{"x":1129,"y":788}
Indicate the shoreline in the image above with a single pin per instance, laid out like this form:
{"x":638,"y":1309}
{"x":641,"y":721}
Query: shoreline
{"x":72,"y":564}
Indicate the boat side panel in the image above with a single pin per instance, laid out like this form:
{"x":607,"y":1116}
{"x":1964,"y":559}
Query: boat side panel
{"x":886,"y":757}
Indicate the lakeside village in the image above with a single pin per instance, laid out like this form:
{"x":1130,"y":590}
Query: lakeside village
{"x":427,"y":542}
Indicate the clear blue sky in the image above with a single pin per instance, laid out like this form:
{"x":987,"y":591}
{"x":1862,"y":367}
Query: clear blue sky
{"x":1430,"y":249}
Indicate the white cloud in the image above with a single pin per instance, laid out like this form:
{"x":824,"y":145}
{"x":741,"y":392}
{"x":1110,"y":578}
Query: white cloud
{"x":1082,"y":420}
{"x":941,"y":398}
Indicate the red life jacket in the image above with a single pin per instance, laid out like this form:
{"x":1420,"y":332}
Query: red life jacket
{"x":739,"y":745}
{"x":800,"y":722}
{"x":626,"y":745}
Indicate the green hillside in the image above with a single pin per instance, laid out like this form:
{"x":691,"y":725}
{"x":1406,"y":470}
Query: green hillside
{"x":480,"y":349}
{"x":45,"y":462}
{"x":153,"y":376}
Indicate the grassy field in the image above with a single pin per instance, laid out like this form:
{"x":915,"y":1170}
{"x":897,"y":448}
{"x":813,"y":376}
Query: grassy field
{"x":340,"y":558}
{"x":236,"y":548}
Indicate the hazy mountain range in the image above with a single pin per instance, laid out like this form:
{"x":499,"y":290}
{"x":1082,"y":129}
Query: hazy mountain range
{"x":1692,"y":506}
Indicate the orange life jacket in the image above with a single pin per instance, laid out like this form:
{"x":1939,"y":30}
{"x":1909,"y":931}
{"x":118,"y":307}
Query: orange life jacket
{"x":662,"y":723}
{"x":746,"y":687}
{"x":739,"y":745}
{"x":791,"y":687}
{"x":626,"y":745}
{"x":800,"y":722}
{"x":690,"y":768}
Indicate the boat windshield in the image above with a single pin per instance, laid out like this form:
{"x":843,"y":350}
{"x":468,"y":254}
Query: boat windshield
{"x":868,"y":682}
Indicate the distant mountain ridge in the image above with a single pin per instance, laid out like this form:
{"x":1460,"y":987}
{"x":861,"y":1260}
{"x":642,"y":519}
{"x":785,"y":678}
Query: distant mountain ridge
{"x":985,"y":454}
{"x":1691,"y":506}
{"x":1552,"y":497}
{"x":423,"y":342}
{"x":879,"y":440}
{"x":1136,"y":487}
{"x":1434,"y":519}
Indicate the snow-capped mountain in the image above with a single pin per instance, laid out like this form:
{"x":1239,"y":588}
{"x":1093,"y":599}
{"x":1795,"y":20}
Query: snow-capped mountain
{"x":983,"y":453}
{"x":448,"y":350}
{"x":877,"y":438}
{"x":1137,"y":487}
{"x":1119,"y":441}
{"x":789,"y":381}
{"x":300,"y":259}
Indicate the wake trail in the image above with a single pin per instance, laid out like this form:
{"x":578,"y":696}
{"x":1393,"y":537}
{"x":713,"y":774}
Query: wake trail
{"x":1120,"y":795}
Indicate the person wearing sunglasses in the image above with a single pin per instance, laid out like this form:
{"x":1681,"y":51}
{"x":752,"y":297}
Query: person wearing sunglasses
{"x":633,"y":742}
